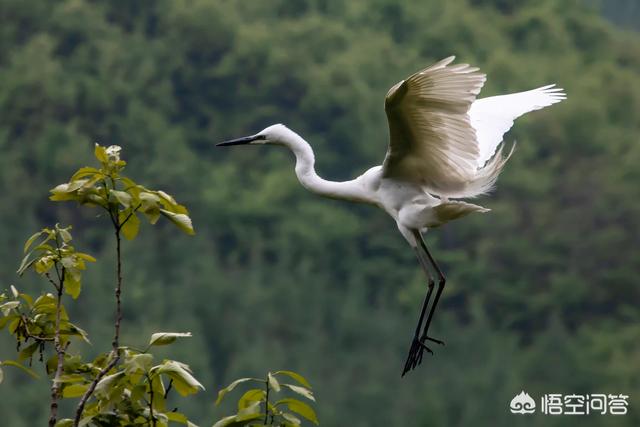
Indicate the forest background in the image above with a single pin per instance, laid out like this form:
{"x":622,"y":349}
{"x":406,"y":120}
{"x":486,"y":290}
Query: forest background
{"x":542,"y":293}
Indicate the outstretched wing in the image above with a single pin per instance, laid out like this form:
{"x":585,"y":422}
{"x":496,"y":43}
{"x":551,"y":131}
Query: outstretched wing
{"x":432,"y":141}
{"x":492,"y":117}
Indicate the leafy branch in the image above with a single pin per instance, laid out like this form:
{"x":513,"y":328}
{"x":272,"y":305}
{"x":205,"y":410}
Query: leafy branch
{"x":123,"y":386}
{"x":46,"y":321}
{"x":122,"y":198}
{"x":255,"y":404}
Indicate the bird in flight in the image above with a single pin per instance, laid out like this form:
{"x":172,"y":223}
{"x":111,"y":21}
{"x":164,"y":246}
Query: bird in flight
{"x":445,"y":145}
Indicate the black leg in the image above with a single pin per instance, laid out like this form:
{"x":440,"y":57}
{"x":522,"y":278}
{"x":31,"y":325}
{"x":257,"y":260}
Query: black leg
{"x":418,"y":346}
{"x":441,"y":282}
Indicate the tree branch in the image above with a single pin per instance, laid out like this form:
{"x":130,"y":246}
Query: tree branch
{"x":60,"y":351}
{"x":55,"y":285}
{"x":92,"y":387}
{"x":115,"y":352}
{"x":129,"y":216}
{"x":28,"y":333}
{"x":266,"y":403}
{"x":153,"y":418}
{"x":116,"y":336}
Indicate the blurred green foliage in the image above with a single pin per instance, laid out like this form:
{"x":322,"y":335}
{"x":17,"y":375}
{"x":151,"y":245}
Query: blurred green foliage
{"x":542,"y":293}
{"x":284,"y":412}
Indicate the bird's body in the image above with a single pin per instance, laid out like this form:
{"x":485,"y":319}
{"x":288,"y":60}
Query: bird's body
{"x":444,"y":145}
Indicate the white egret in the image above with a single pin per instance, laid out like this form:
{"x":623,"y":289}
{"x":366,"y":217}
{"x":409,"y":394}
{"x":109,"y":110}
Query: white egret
{"x":444,"y":145}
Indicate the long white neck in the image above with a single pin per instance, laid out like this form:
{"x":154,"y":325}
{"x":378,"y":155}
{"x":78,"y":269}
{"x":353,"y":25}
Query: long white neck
{"x":305,"y":171}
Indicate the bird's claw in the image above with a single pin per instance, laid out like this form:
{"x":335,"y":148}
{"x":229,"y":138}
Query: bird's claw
{"x":423,"y":339}
{"x":424,"y":347}
{"x":416,"y":352}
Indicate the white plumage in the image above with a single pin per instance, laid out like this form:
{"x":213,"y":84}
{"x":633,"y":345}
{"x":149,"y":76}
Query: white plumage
{"x":492,"y":117}
{"x":442,"y":137}
{"x":444,"y":144}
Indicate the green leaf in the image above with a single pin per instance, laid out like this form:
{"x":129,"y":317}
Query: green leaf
{"x":232,"y":421}
{"x":101,"y":154}
{"x":296,"y":377}
{"x":44,"y":264}
{"x":300,"y":408}
{"x":66,"y":422}
{"x":130,"y":186}
{"x":25,"y":264}
{"x":170,"y":204}
{"x":83,"y":172}
{"x":61,"y":193}
{"x":139,"y":363}
{"x":14,"y":291}
{"x":6,"y":319}
{"x":45,"y":304}
{"x":301,"y":390}
{"x":86,"y":420}
{"x":1,"y":375}
{"x":177,"y":417}
{"x":74,"y":390}
{"x":20,"y":366}
{"x":150,"y":206}
{"x":28,"y":351}
{"x":85,"y":257}
{"x":181,"y":220}
{"x":226,"y":421}
{"x":248,"y":413}
{"x":27,"y":298}
{"x":68,"y":191}
{"x":93,"y":198}
{"x":64,"y":234}
{"x":231,"y":386}
{"x":130,"y":224}
{"x":253,"y":395}
{"x":121,"y":197}
{"x":13,"y":326}
{"x":153,"y":215}
{"x":68,"y":262}
{"x":75,"y":331}
{"x":164,"y":338}
{"x":8,"y":306}
{"x":291,"y":418}
{"x":148,"y":200}
{"x":31,"y":239}
{"x":69,"y":378}
{"x":183,"y":381}
{"x":158,"y":392}
{"x":273,"y":382}
{"x":71,"y":284}
{"x":107,"y":382}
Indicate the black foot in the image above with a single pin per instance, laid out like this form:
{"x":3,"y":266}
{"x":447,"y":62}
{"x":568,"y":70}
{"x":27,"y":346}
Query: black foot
{"x":433,"y":339}
{"x":416,"y":353}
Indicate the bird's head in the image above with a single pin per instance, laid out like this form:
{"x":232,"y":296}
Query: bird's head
{"x":274,"y":134}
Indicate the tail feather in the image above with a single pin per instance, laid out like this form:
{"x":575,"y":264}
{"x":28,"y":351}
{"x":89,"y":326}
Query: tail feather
{"x":452,"y":209}
{"x":486,"y":177}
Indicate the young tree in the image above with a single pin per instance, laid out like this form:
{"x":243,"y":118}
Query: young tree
{"x":123,"y":386}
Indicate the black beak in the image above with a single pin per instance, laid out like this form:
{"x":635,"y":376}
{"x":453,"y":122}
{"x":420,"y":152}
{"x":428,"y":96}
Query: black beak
{"x":241,"y":141}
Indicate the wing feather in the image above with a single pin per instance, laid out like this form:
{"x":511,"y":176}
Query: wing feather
{"x":432,"y":141}
{"x":444,"y":139}
{"x":492,"y":117}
